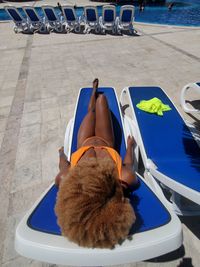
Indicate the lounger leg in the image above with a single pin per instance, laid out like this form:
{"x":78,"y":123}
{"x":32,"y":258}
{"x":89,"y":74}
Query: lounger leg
{"x":42,"y":28}
{"x":77,"y":28}
{"x":113,"y":30}
{"x":103,"y":31}
{"x":87,"y":29}
{"x":15,"y":29}
{"x":49,"y":28}
{"x":131,"y":30}
{"x":97,"y":29}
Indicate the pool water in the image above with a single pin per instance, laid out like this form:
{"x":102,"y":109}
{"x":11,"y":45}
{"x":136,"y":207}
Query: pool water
{"x":183,"y":13}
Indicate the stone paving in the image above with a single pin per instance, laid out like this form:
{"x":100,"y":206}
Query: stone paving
{"x":40,"y":76}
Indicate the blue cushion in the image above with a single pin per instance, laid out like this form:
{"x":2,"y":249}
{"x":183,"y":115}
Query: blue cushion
{"x":50,"y":14}
{"x":69,"y":14}
{"x":109,"y":15}
{"x":91,"y":15}
{"x":13,"y":13}
{"x":32,"y":15}
{"x":126,"y":16}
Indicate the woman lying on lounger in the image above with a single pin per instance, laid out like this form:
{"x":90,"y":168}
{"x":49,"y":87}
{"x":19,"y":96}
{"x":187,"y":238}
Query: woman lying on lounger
{"x":91,"y":206}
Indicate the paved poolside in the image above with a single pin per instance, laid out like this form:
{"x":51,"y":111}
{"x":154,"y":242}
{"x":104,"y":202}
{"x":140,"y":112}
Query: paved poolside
{"x":40,"y":76}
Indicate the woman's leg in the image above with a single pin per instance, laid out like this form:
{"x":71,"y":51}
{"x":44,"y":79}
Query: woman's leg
{"x":104,"y":126}
{"x":87,"y":127}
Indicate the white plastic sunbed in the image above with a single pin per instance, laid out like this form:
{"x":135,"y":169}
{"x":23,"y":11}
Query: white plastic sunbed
{"x":169,"y":151}
{"x":157,"y":230}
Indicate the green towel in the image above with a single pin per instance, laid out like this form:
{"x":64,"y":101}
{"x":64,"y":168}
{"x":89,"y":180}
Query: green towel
{"x":153,"y":105}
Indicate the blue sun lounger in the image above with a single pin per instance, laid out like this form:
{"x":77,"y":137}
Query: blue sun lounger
{"x":91,"y":19}
{"x":126,"y":18}
{"x":37,"y":23}
{"x":53,"y":21}
{"x":157,"y":230}
{"x":72,"y":21}
{"x":21,"y":24}
{"x":168,"y":149}
{"x":108,"y":19}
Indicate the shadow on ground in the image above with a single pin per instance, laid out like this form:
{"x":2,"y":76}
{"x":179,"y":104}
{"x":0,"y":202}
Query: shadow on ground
{"x":174,"y":255}
{"x":192,"y":223}
{"x":194,"y":103}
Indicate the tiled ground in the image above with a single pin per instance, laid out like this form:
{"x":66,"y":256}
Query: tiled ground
{"x":40,"y":76}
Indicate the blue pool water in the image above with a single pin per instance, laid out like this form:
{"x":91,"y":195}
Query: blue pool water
{"x":183,"y":13}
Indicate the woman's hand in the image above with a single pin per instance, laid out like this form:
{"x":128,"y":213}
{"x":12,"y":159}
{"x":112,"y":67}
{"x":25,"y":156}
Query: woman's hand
{"x":63,"y":162}
{"x":130,"y":141}
{"x":64,"y":166}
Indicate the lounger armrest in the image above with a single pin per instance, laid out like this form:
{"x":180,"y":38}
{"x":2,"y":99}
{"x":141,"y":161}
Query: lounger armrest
{"x":193,"y":86}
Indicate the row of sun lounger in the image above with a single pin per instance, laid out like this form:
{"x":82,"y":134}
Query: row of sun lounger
{"x":171,"y":158}
{"x":68,"y":20}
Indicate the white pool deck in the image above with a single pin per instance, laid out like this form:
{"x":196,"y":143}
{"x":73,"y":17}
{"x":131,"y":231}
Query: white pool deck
{"x":40,"y":76}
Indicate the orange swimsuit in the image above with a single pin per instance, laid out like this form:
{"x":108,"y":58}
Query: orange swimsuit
{"x":112,"y":152}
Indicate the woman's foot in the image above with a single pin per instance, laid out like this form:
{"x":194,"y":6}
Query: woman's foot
{"x":92,"y":103}
{"x":95,"y":83}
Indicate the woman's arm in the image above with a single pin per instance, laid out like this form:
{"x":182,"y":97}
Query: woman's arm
{"x":64,"y":166}
{"x":128,"y":159}
{"x":128,"y":175}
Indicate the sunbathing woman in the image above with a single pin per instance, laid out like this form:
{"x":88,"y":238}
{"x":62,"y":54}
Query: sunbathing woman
{"x":91,"y":207}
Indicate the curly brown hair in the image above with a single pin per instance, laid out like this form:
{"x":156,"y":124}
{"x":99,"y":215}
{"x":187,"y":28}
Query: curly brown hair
{"x":91,"y":208}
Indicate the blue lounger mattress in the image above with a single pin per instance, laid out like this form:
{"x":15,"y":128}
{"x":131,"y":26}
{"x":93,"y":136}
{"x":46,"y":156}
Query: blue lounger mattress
{"x":143,"y":199}
{"x":168,"y":142}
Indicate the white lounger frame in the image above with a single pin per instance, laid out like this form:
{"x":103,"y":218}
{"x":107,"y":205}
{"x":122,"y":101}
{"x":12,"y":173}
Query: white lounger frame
{"x":58,"y":250}
{"x":193,"y":86}
{"x":178,"y":191}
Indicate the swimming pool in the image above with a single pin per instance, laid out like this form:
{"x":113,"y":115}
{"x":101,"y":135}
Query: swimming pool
{"x":183,"y":13}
